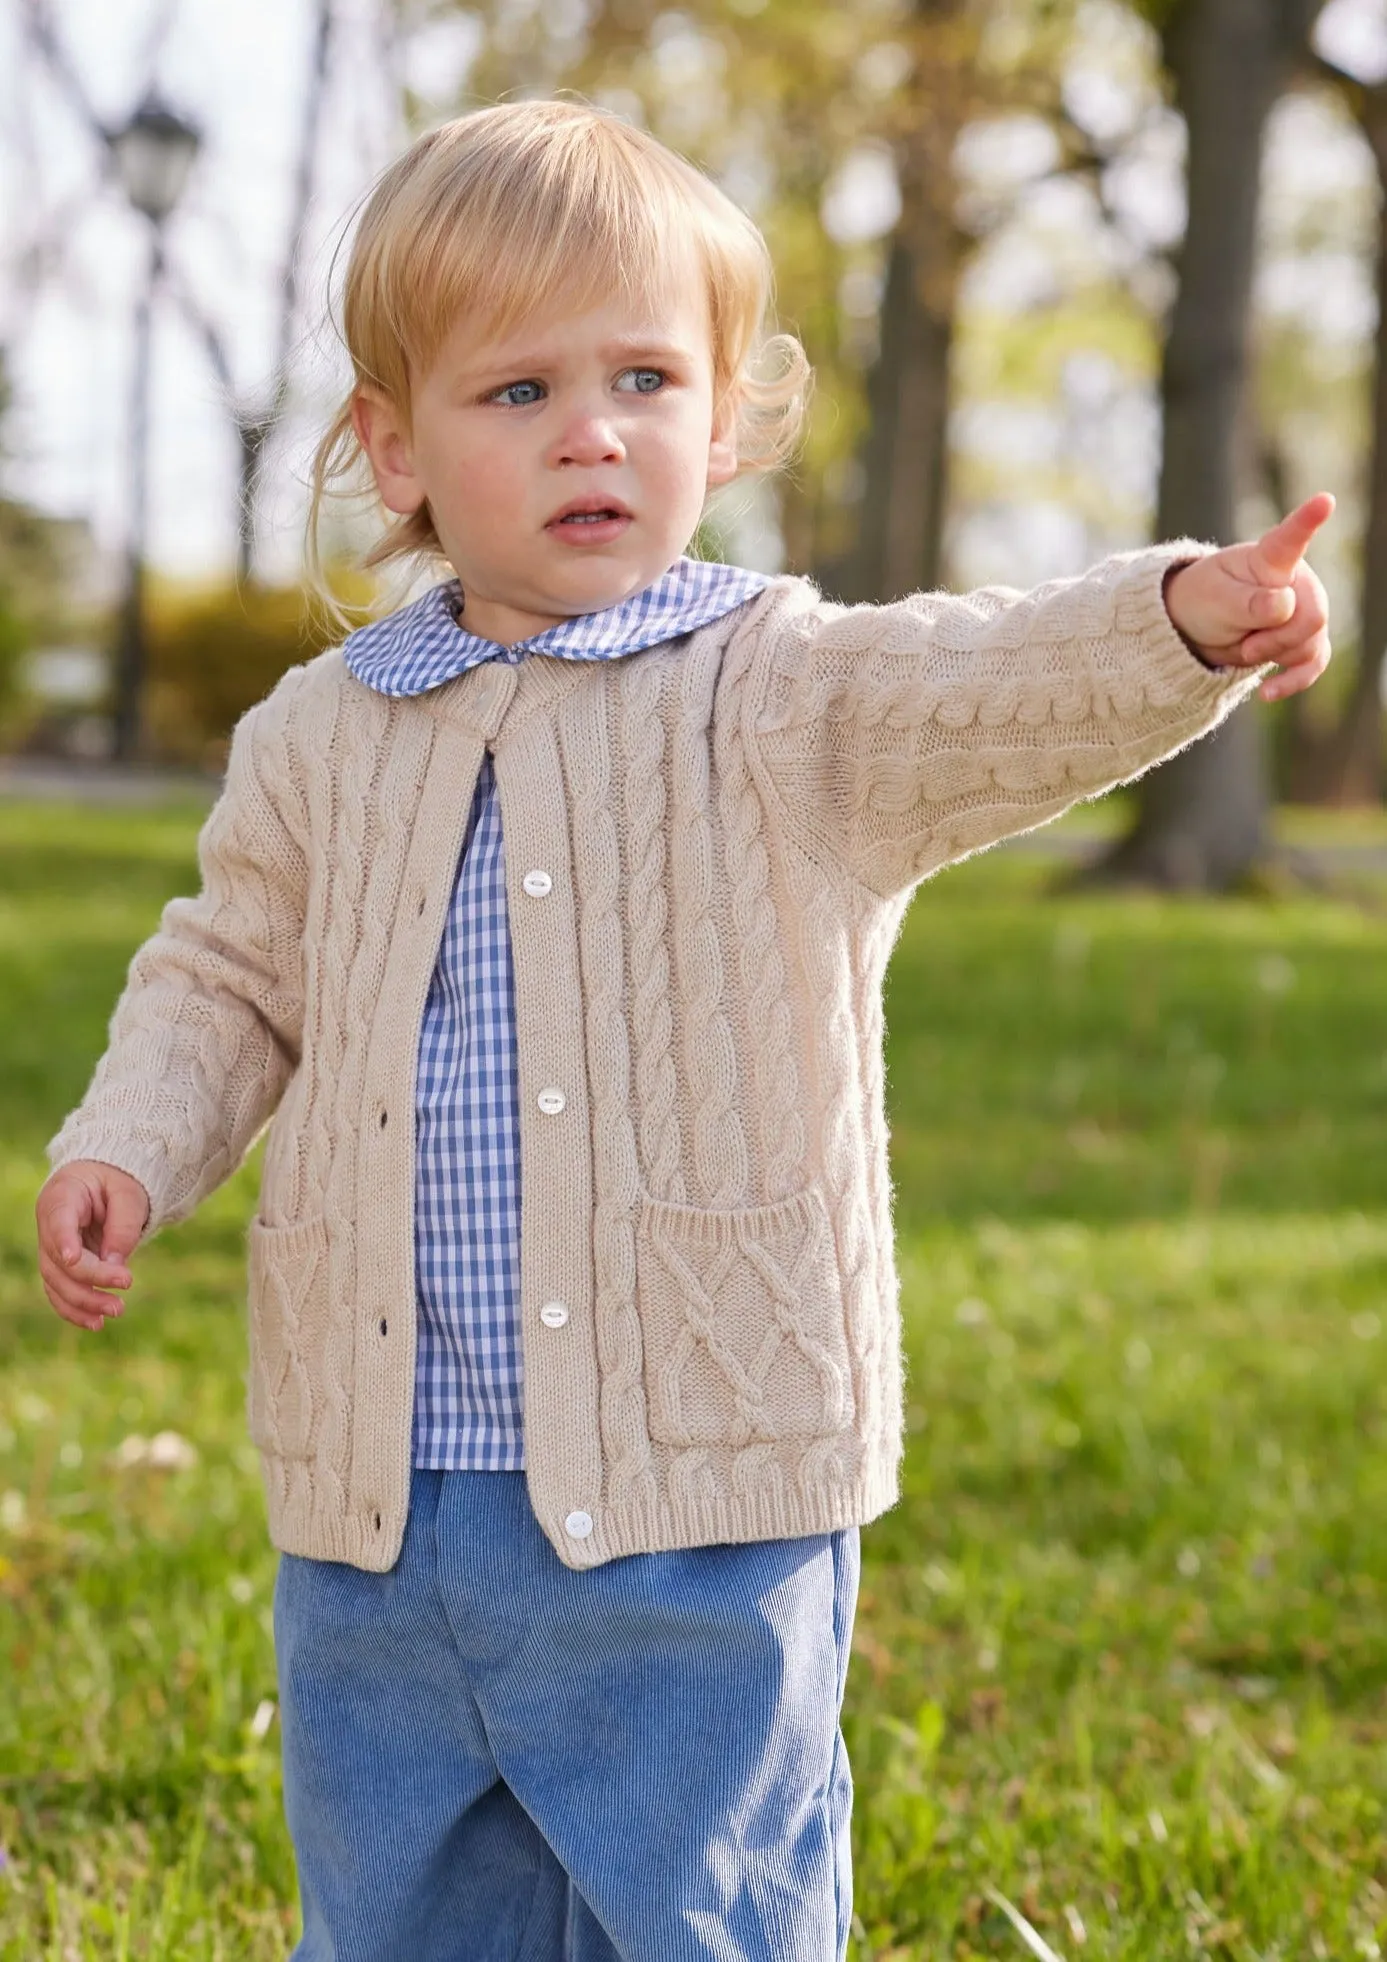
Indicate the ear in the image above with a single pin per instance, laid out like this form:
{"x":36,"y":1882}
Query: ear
{"x":383,"y":432}
{"x":722,"y":445}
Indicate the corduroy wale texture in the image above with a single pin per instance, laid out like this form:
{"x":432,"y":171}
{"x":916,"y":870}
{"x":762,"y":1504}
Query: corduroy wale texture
{"x":733,"y":824}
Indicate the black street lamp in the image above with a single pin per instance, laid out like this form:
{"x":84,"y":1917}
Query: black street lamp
{"x":152,"y":155}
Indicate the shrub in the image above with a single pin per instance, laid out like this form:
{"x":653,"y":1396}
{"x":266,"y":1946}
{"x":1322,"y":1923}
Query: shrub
{"x":213,"y":653}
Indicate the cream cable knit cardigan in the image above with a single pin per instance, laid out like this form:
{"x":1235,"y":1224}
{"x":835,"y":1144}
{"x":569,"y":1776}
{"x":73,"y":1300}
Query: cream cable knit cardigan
{"x":732,"y":825}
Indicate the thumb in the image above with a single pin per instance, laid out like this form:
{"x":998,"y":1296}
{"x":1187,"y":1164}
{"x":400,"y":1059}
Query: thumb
{"x":1279,"y":551}
{"x":71,"y":1209}
{"x":127,"y":1209}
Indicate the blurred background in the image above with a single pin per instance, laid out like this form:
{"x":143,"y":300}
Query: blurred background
{"x":1071,"y":272}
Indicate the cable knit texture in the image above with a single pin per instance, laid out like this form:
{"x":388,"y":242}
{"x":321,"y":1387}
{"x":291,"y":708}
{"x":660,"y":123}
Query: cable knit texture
{"x":733,"y":824}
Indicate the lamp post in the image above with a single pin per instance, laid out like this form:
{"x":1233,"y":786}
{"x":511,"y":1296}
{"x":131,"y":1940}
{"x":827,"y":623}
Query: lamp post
{"x":152,"y":154}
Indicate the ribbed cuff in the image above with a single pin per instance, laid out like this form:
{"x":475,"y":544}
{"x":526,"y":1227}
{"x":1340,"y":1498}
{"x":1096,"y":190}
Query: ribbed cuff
{"x":1141,"y":609}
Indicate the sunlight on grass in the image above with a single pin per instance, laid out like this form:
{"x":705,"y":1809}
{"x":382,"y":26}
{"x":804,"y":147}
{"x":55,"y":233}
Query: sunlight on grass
{"x":1122,"y":1652}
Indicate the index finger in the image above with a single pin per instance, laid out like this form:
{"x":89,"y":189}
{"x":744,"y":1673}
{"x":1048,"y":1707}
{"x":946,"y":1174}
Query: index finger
{"x":1279,"y":551}
{"x":61,"y":1222}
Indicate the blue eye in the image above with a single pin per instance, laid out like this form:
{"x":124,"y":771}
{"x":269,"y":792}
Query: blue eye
{"x":644,"y":381}
{"x":520,"y":395}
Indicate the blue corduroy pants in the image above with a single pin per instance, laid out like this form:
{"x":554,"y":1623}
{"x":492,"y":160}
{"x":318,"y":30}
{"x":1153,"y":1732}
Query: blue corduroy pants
{"x":489,"y":1757}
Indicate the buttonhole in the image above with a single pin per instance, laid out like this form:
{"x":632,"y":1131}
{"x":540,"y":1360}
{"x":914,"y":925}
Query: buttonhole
{"x":382,"y":1325}
{"x":423,"y":901}
{"x":382,"y":1120}
{"x":376,"y":1521}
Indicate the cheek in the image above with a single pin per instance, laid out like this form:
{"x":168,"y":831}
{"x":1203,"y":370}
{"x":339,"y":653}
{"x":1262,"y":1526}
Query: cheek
{"x":683,"y":456}
{"x":480,"y":482}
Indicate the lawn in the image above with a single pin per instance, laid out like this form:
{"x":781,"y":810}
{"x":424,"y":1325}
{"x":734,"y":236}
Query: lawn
{"x":1121,"y":1675}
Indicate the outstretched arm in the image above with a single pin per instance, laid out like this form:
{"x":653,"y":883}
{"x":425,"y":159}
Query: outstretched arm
{"x":894,"y":739}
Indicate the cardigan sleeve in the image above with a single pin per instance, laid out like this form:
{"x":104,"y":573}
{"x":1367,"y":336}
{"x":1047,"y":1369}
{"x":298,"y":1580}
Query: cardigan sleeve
{"x":207,"y":1032}
{"x":897,"y":738}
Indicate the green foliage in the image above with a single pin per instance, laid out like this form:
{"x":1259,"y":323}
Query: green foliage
{"x":14,"y":644}
{"x":1121,"y":1649}
{"x":214,"y":652}
{"x":41,"y":571}
{"x":771,"y":97}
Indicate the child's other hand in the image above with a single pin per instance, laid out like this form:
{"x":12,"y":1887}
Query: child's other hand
{"x":89,"y":1217}
{"x":1253,"y":603}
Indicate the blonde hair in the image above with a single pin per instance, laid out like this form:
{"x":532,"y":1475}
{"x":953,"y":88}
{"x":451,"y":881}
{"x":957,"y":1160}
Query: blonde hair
{"x":529,"y":206}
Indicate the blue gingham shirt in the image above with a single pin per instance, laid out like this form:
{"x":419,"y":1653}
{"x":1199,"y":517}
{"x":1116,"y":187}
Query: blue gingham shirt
{"x":468,"y":1378}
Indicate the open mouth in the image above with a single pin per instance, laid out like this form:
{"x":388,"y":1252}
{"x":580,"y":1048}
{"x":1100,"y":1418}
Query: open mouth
{"x":591,"y":520}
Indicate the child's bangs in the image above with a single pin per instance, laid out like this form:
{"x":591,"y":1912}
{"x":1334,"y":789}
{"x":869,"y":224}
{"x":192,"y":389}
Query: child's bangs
{"x":533,"y":263}
{"x":560,"y":232}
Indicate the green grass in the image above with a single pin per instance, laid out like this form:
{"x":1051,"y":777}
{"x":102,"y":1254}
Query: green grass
{"x":1122,"y":1652}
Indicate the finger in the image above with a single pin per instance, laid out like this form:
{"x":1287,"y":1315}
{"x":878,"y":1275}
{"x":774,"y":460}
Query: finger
{"x":127,"y":1210}
{"x":63,"y":1219}
{"x":1299,"y":675}
{"x":1279,"y":551}
{"x":77,"y":1316}
{"x":1270,"y":606}
{"x":1285,"y":645}
{"x":74,"y":1302}
{"x":1308,"y":621}
{"x":89,"y":1267}
{"x":75,"y":1287}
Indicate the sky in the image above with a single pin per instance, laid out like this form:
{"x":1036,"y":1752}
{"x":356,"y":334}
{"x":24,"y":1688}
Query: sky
{"x":238,"y":71}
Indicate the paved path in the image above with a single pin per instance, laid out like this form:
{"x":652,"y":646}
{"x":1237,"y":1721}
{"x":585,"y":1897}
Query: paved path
{"x":51,"y":780}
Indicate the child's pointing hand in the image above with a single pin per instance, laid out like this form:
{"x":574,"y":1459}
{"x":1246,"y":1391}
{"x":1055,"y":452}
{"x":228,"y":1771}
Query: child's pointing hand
{"x":1249,"y":604}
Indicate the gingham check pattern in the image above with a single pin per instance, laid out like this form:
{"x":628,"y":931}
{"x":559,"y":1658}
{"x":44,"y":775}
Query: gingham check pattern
{"x":468,"y":1377}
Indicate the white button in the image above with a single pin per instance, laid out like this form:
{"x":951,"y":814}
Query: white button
{"x":578,"y":1525}
{"x":537,"y":884}
{"x":551,"y":1102}
{"x":553,"y":1314}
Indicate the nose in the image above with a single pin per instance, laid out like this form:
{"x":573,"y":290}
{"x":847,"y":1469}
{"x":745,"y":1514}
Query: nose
{"x":589,"y":437}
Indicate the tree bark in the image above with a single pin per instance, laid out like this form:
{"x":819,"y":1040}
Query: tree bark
{"x":256,"y":424}
{"x":1347,"y":768}
{"x":1201,"y":819}
{"x":899,"y":538}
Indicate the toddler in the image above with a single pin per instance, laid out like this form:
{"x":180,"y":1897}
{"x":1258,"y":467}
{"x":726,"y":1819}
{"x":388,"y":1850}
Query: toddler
{"x":544,"y":922}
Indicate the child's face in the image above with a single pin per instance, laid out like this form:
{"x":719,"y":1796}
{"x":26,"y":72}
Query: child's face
{"x":609,"y":414}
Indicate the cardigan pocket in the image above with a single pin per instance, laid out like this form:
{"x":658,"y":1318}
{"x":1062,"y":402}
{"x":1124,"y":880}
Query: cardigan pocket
{"x":742,"y":1323}
{"x":290,"y":1307}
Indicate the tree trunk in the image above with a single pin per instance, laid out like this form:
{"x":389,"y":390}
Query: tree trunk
{"x":898,"y":544}
{"x":1349,"y":770}
{"x":256,"y":424}
{"x":1201,"y":819}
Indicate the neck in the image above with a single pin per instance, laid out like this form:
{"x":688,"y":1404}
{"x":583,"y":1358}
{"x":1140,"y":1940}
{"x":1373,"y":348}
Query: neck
{"x":494,"y":620}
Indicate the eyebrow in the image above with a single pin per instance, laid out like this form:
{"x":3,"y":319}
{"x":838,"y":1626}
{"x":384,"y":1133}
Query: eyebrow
{"x":624,"y":347}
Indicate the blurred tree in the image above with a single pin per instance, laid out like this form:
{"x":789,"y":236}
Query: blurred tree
{"x":1201,"y":818}
{"x":779,"y":98}
{"x":41,"y":592}
{"x":960,"y":63}
{"x":1343,"y":765}
{"x":214,"y":651}
{"x":769,"y":97}
{"x":258,"y":413}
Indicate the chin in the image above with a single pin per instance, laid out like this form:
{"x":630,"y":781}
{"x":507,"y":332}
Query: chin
{"x":596,"y":586}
